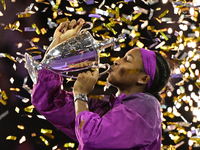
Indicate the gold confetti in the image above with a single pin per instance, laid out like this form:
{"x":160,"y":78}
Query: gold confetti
{"x":17,"y":109}
{"x":98,"y":28}
{"x":55,"y":14}
{"x":81,"y":124}
{"x":114,"y":58}
{"x":150,"y":27}
{"x":3,"y":102}
{"x":164,"y":13}
{"x":62,"y":20}
{"x":4,"y":4}
{"x":132,"y":42}
{"x":29,"y":109}
{"x":67,"y":14}
{"x":126,"y":21}
{"x":3,"y":93}
{"x":15,"y":89}
{"x":79,"y":9}
{"x":45,"y":131}
{"x":103,"y":83}
{"x":49,"y":135}
{"x":31,"y":48}
{"x":44,"y":140}
{"x":197,"y":83}
{"x":33,"y":134}
{"x":38,"y":1}
{"x":43,"y":31}
{"x":171,"y":115}
{"x":165,"y":37}
{"x":36,"y":40}
{"x":95,"y":96}
{"x":71,"y":145}
{"x":178,"y":138}
{"x":130,"y":71}
{"x":11,"y":137}
{"x":24,"y":15}
{"x":136,"y":16}
{"x":139,"y":44}
{"x":21,"y":127}
{"x":109,"y":27}
{"x":14,"y":26}
{"x":10,"y":57}
{"x":104,"y":54}
{"x":37,"y":29}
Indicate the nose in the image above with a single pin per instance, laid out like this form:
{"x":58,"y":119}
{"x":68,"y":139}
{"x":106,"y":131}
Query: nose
{"x":116,"y":62}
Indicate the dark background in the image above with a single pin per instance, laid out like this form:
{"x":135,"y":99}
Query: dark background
{"x":8,"y":44}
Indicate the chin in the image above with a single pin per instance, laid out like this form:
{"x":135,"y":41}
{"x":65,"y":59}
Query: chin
{"x":111,"y":80}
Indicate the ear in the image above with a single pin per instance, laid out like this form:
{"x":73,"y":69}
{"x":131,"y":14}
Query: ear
{"x":144,"y":79}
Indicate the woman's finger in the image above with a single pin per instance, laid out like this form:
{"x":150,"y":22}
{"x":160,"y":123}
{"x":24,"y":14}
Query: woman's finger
{"x":72,"y":24}
{"x":79,"y":25}
{"x":96,"y":73}
{"x":89,"y":73}
{"x":64,"y":26}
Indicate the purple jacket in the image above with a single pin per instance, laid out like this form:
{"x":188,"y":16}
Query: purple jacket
{"x":129,"y":122}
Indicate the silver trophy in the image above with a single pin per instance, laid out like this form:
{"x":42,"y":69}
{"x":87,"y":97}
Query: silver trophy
{"x":68,"y":55}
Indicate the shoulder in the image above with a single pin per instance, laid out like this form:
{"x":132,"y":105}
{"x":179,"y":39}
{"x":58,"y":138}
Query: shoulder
{"x":145,"y":104}
{"x":139,"y":99}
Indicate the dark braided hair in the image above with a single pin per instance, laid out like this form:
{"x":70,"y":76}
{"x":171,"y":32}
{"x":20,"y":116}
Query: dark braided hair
{"x":161,"y":77}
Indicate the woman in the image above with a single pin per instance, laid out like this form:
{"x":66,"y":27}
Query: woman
{"x":130,"y":121}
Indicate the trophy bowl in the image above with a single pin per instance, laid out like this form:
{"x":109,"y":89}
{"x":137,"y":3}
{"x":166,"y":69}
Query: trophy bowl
{"x":70,"y":54}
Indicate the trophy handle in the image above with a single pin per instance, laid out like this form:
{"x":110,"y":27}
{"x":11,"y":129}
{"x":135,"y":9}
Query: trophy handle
{"x":86,"y":29}
{"x":94,"y":66}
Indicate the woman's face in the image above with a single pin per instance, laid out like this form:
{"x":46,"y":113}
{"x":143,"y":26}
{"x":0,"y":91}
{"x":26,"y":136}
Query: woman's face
{"x":126,"y":71}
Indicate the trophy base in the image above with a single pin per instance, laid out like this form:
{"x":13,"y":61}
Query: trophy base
{"x":31,"y":66}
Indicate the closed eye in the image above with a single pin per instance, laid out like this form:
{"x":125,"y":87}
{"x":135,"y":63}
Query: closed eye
{"x":127,"y":59}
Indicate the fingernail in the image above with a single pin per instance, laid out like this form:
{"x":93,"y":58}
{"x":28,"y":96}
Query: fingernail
{"x":78,"y":23}
{"x":84,"y":23}
{"x":62,"y":30}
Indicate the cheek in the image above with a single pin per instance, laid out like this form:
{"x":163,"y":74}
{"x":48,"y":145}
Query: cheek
{"x":120,"y":76}
{"x":122,"y":72}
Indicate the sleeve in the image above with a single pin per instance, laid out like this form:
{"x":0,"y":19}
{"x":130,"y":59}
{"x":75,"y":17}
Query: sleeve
{"x":55,"y":104}
{"x":120,"y":128}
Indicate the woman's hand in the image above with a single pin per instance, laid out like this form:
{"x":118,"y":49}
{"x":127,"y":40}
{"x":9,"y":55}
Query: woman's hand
{"x":67,"y":30}
{"x":85,"y":82}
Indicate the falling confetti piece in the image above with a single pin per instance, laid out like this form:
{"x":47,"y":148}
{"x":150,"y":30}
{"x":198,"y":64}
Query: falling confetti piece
{"x":14,"y":26}
{"x":1,"y":14}
{"x":4,"y":4}
{"x":12,"y":80}
{"x":4,"y":114}
{"x":23,"y":139}
{"x":11,"y":137}
{"x":17,"y":109}
{"x":71,"y":145}
{"x":44,"y":140}
{"x":21,"y":127}
{"x":15,"y":89}
{"x":29,"y":109}
{"x":44,"y":131}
